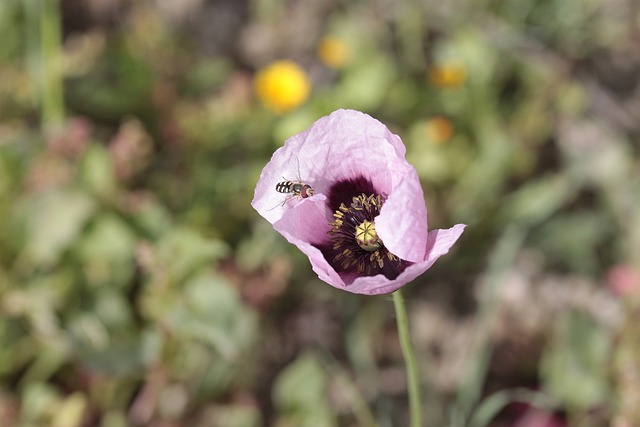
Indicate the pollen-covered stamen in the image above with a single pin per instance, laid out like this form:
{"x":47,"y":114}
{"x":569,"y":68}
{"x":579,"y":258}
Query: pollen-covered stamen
{"x":356,"y":244}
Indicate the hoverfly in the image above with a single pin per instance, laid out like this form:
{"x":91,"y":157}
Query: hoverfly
{"x":294,"y":189}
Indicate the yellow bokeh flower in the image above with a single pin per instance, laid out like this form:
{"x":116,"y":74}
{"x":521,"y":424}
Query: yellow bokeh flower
{"x":333,"y":52}
{"x":447,"y":75}
{"x":439,"y":129}
{"x":282,"y":86}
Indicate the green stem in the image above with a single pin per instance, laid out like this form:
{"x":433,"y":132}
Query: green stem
{"x":44,"y":57}
{"x":50,"y":40}
{"x":413,"y":376}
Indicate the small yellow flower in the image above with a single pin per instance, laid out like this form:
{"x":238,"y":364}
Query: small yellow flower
{"x":447,"y":75}
{"x":439,"y":129}
{"x":333,"y":52}
{"x":282,"y":86}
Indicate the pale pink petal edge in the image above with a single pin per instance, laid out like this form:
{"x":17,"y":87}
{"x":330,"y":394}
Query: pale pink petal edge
{"x":439,"y":243}
{"x":402,"y":223}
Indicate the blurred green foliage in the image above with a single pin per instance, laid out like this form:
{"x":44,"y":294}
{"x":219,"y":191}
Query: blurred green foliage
{"x":138,"y":287}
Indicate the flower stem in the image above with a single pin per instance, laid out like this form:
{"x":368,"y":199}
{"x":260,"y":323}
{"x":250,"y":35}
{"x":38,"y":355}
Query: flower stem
{"x":44,"y":56}
{"x":413,"y":376}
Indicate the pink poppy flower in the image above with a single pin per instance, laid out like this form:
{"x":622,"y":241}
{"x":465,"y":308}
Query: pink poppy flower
{"x":357,"y":210}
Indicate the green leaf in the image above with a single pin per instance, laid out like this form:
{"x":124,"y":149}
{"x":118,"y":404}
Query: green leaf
{"x":213,"y":313}
{"x":183,"y":251}
{"x":365,"y":86}
{"x":71,"y":411}
{"x":237,"y":415}
{"x":537,"y":200}
{"x":118,"y":359}
{"x":97,"y":171}
{"x":114,"y":418}
{"x":573,"y":240}
{"x":38,"y":400}
{"x":151,"y":217}
{"x":300,"y":393}
{"x":106,"y":252}
{"x":574,"y":366}
{"x":53,"y":221}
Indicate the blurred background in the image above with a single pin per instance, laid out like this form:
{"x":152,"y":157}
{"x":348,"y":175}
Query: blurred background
{"x":139,"y":288}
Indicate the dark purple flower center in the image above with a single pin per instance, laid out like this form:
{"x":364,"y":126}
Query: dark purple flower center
{"x":355,"y":244}
{"x":355,"y":247}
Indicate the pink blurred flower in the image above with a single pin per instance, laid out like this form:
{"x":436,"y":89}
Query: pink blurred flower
{"x":623,"y":280}
{"x":538,"y":418}
{"x":364,"y":227}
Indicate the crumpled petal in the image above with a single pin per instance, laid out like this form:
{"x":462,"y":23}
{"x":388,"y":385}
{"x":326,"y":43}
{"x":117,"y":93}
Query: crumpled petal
{"x":344,"y":144}
{"x":402,"y":223}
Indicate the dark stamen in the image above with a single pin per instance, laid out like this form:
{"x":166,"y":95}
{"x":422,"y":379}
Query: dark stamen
{"x":356,"y":246}
{"x":343,"y":191}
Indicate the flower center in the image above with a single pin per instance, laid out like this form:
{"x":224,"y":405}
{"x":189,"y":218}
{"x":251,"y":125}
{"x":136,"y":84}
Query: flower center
{"x":366,"y":236}
{"x":356,"y":244}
